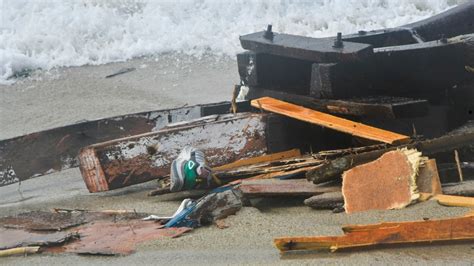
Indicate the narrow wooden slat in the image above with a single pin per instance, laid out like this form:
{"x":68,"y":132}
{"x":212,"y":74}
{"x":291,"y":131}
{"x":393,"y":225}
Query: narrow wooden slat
{"x":260,"y":159}
{"x":329,"y":121}
{"x":454,"y":229}
{"x":275,"y":187}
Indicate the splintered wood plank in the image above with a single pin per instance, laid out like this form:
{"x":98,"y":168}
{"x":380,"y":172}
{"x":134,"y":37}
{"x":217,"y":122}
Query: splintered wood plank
{"x":260,"y":159}
{"x":275,"y":187}
{"x":451,"y":201}
{"x":127,"y":161}
{"x":329,"y":121}
{"x":429,"y":231}
{"x":386,"y":183}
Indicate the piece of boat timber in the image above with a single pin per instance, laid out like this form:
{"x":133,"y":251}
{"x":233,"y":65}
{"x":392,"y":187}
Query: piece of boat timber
{"x":329,"y":121}
{"x":56,"y":149}
{"x":305,"y":48}
{"x":276,"y":187}
{"x":380,"y":107}
{"x":357,"y":236}
{"x":260,"y":159}
{"x":333,"y":169}
{"x":427,"y":180}
{"x":450,"y":200}
{"x":127,"y":161}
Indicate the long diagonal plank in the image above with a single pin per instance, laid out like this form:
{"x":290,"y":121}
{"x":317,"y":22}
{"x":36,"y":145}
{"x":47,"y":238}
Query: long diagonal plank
{"x":127,"y":161}
{"x":356,"y":236}
{"x":329,"y":121}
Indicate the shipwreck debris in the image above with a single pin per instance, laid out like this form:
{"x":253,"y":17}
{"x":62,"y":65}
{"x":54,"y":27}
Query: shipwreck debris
{"x":326,"y":120}
{"x":386,"y":183}
{"x":358,"y":236}
{"x":141,"y":158}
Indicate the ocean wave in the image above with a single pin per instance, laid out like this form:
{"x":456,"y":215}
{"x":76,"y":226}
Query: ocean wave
{"x":48,"y":34}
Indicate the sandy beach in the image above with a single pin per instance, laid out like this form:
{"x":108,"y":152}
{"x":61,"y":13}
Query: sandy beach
{"x":67,"y":95}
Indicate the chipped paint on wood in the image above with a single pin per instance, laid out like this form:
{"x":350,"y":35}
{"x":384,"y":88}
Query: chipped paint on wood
{"x":141,"y":158}
{"x":53,"y":150}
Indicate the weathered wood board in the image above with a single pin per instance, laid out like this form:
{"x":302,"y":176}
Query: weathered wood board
{"x":329,"y":121}
{"x":289,"y":188}
{"x":357,"y":236}
{"x":56,"y":149}
{"x":137,"y":159}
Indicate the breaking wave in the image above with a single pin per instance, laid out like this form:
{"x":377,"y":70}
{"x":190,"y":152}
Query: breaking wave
{"x":47,"y":34}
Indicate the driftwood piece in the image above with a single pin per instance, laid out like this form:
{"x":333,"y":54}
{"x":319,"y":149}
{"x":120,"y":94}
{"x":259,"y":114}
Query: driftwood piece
{"x":333,"y":169}
{"x":329,"y":121}
{"x":386,"y":183}
{"x":465,"y":188}
{"x":217,"y":206}
{"x":412,"y":232}
{"x":329,"y":200}
{"x":275,"y":187}
{"x":141,"y":158}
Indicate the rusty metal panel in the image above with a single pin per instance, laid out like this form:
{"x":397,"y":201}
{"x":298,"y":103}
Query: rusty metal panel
{"x":56,"y":149}
{"x":317,"y":50}
{"x":141,"y":158}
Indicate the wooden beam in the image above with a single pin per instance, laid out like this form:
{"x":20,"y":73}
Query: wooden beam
{"x":128,"y":161}
{"x":358,"y":236}
{"x":329,"y":121}
{"x":305,"y":48}
{"x":276,"y":187}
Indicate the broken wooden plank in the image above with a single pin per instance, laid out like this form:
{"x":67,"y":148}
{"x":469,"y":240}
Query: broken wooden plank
{"x":333,"y":169}
{"x":357,"y":236}
{"x":260,"y":159}
{"x":427,"y":180}
{"x":387,"y":107}
{"x":127,"y":161}
{"x":56,"y":149}
{"x":305,"y":48}
{"x":450,"y":200}
{"x":329,"y":121}
{"x":275,"y":187}
{"x":386,"y":183}
{"x":328,"y":200}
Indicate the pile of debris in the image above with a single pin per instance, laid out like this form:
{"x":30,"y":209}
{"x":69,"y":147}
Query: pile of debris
{"x":368,"y":121}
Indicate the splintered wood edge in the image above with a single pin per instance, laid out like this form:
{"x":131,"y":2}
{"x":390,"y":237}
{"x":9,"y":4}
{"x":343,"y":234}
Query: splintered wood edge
{"x":92,"y":171}
{"x":367,"y":132}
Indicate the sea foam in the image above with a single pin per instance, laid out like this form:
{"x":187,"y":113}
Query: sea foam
{"x":55,"y":33}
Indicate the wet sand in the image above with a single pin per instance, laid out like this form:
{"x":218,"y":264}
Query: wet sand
{"x":68,"y":95}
